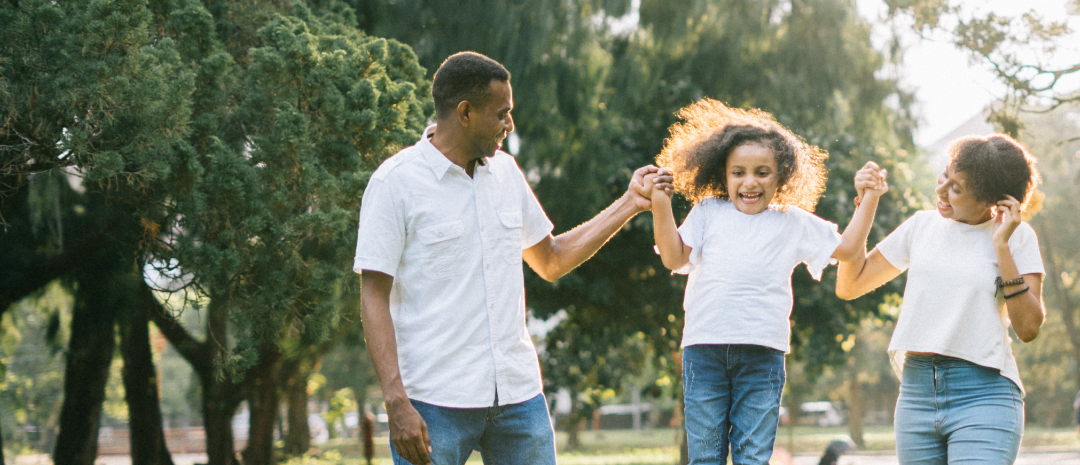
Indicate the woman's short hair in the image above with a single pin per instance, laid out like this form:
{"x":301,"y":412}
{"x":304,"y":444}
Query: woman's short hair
{"x":996,"y":165}
{"x":464,"y":76}
{"x":699,"y":147}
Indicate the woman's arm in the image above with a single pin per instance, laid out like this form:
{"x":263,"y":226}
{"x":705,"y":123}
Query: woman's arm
{"x":859,"y":273}
{"x":673,"y":252}
{"x":1025,"y":307}
{"x":870,"y":185}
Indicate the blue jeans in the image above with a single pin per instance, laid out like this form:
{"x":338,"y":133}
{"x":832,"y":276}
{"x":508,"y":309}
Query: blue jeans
{"x":508,"y":435}
{"x":732,"y":397}
{"x":951,"y":411}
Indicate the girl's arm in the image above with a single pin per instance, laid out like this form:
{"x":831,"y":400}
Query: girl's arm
{"x":859,"y":273}
{"x":1025,"y":307}
{"x":673,"y":252}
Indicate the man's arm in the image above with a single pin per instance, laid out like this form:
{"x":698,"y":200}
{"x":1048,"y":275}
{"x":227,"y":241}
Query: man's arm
{"x":407,"y":429}
{"x":553,"y":257}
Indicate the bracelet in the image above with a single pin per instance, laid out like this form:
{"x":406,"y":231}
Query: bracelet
{"x":1011,"y":282}
{"x":1014,"y":294}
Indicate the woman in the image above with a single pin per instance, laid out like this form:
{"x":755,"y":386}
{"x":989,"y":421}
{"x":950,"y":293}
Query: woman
{"x":974,"y":269}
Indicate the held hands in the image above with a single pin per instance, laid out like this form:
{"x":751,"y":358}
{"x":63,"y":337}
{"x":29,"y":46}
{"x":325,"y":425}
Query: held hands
{"x":409,"y":433}
{"x":1007,"y":218}
{"x":870,"y":181}
{"x":647,"y":180}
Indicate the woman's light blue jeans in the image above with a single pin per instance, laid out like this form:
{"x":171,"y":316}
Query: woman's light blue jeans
{"x":513,"y":434}
{"x":732,"y":396}
{"x":951,"y":411}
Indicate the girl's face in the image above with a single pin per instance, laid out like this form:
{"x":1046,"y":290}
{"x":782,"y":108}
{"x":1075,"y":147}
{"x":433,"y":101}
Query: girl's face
{"x":752,"y":177}
{"x":957,"y":202}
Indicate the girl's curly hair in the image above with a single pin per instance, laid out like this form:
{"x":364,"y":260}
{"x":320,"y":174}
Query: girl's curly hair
{"x":699,"y":146}
{"x":996,"y":165}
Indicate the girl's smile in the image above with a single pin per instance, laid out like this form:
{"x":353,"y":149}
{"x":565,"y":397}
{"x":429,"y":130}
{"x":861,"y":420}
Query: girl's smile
{"x":751,"y":177}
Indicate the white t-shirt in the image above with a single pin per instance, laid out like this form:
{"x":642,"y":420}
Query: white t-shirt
{"x":949,"y":305}
{"x":453,"y":245}
{"x":739,"y":286}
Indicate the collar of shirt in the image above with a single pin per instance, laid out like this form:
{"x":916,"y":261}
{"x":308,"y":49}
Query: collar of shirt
{"x":440,"y":164}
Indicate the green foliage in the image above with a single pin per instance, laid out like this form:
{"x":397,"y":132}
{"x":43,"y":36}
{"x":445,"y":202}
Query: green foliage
{"x":31,"y":380}
{"x":342,"y":402}
{"x":1050,"y":365}
{"x":267,"y":191}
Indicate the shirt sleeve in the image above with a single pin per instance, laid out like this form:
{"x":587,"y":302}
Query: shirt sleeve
{"x":692,"y":233}
{"x":818,"y":242}
{"x":896,"y":247}
{"x":380,"y":238}
{"x":535,"y":223}
{"x":1024,"y":246}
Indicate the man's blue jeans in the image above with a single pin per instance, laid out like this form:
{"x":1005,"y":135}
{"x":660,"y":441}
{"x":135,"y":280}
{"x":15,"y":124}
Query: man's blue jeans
{"x":513,"y":434}
{"x":732,"y":396}
{"x":951,"y":411}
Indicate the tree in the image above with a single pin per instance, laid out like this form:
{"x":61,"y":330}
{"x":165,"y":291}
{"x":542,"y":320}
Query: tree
{"x":1049,"y":364}
{"x":295,"y":108}
{"x":1020,"y":51}
{"x":98,"y":97}
{"x":232,"y":142}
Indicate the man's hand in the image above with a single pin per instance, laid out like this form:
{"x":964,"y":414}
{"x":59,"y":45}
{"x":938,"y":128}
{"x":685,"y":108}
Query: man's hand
{"x":642,"y":194}
{"x":409,"y":433}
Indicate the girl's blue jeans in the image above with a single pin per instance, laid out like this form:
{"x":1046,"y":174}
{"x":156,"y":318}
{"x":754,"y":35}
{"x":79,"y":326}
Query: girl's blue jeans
{"x":732,"y":397}
{"x":505,"y":435}
{"x":951,"y":411}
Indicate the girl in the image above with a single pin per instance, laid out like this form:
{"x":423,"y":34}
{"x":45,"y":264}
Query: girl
{"x":973,"y":268}
{"x":754,"y":184}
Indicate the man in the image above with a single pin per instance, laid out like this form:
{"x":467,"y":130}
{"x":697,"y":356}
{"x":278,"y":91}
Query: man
{"x":444,"y":227}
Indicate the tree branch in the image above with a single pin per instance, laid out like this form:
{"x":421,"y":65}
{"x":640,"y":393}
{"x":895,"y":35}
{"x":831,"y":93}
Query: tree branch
{"x":194,"y":351}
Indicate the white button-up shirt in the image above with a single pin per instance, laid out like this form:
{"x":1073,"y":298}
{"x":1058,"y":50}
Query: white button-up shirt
{"x":453,"y":245}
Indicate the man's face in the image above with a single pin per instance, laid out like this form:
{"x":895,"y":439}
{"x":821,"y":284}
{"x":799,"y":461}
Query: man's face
{"x":491,"y":121}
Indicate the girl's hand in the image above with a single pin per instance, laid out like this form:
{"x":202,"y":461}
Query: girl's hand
{"x":1006,"y":220}
{"x":648,"y":183}
{"x":870,"y":180}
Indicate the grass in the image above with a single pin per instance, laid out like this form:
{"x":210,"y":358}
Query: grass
{"x":659,"y":446}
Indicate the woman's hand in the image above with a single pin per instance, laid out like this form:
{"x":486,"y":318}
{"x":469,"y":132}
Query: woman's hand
{"x":870,"y":180}
{"x":1006,"y":220}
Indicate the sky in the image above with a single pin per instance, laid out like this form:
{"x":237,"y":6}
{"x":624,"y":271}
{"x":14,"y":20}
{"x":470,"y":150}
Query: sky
{"x":949,"y":87}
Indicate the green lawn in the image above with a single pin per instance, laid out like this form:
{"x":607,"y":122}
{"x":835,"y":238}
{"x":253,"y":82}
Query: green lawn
{"x":658,"y":446}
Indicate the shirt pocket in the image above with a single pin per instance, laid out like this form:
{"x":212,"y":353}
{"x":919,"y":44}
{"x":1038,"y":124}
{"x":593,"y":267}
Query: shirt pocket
{"x":510,"y":243}
{"x":441,"y":249}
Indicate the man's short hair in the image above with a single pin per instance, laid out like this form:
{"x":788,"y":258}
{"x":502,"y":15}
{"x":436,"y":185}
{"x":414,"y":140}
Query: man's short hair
{"x":464,"y":76}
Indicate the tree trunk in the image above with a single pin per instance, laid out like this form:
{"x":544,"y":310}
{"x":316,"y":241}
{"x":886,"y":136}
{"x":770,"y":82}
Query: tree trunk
{"x":856,"y":407}
{"x":218,"y":411}
{"x":140,"y":383}
{"x":220,"y":396}
{"x":298,"y":439}
{"x":2,"y":448}
{"x":263,"y":401}
{"x":90,"y":352}
{"x":573,"y":424}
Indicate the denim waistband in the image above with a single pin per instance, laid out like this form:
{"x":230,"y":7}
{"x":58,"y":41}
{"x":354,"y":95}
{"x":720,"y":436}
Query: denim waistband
{"x":920,"y":361}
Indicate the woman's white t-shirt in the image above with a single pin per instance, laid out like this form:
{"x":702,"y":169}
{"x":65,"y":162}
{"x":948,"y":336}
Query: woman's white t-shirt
{"x":739,"y":285}
{"x":951,"y":302}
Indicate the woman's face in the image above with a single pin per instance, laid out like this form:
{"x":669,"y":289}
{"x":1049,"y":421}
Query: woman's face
{"x":957,"y":202}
